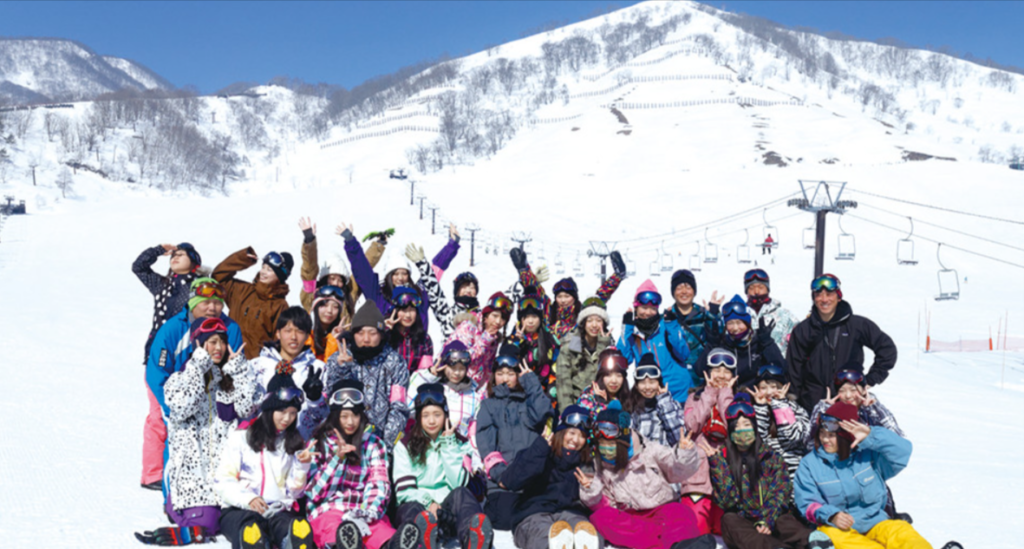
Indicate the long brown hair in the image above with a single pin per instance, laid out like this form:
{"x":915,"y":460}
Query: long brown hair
{"x":417,"y":441}
{"x":355,"y":439}
{"x":621,"y":456}
{"x":558,"y":445}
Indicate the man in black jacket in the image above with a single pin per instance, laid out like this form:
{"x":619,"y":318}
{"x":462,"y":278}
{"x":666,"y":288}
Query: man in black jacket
{"x":828,"y":339}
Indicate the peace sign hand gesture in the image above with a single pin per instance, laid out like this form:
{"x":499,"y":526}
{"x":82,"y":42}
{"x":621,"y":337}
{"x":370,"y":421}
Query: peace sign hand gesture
{"x":449,"y":429}
{"x":524,"y":368}
{"x":343,"y":354}
{"x":708,"y":450}
{"x":685,"y":439}
{"x":307,"y":455}
{"x":235,"y":352}
{"x":829,"y":399}
{"x":435,"y":370}
{"x":390,"y":321}
{"x":584,"y":480}
{"x":760,"y":396}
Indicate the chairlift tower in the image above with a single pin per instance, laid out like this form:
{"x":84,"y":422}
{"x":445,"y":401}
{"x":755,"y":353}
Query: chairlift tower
{"x":818,"y":199}
{"x":522,"y":238}
{"x":601,"y":249}
{"x":472,"y":228}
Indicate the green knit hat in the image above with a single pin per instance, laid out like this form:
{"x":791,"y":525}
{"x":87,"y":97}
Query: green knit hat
{"x":194,"y":299}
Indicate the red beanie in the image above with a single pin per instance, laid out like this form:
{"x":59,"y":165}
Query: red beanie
{"x":843,"y":411}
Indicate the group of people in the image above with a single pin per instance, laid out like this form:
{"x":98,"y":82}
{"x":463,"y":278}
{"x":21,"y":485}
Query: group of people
{"x":337,"y":424}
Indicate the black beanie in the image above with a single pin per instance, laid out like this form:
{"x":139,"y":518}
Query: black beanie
{"x":272,"y":401}
{"x":683,"y":276}
{"x":368,"y":315}
{"x":285,"y":269}
{"x":193,"y":255}
{"x":348,"y":384}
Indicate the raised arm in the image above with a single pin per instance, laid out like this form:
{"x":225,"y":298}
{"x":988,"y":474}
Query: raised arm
{"x":310,"y":263}
{"x":143,"y":267}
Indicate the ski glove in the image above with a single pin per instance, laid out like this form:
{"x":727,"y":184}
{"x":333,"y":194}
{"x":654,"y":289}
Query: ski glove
{"x":518,"y":259}
{"x":543,"y":274}
{"x":313,"y":387}
{"x":627,"y":318}
{"x":764,"y":331}
{"x":173,"y":536}
{"x":414,"y":253}
{"x":618,"y":265}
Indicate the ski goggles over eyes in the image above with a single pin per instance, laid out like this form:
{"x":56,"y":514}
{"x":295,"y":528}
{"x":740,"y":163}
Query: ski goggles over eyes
{"x":648,"y":371}
{"x":347,"y":397}
{"x":825,"y":282}
{"x":458,"y":357}
{"x":648,"y":298}
{"x":578,"y":420}
{"x":209,"y":289}
{"x":770,"y":371}
{"x":505,"y":361}
{"x":609,"y":430}
{"x":210,"y":326}
{"x":849,"y":376}
{"x":739,"y":408}
{"x":755,"y":275}
{"x":721,"y":358}
{"x":407,"y":299}
{"x":331,"y":291}
{"x":501,"y":303}
{"x":829,"y":423}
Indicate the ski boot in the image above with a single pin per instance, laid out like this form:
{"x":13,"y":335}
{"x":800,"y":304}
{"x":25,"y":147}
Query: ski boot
{"x":301,"y":536}
{"x":480,"y":533}
{"x":618,"y":265}
{"x":348,"y":536}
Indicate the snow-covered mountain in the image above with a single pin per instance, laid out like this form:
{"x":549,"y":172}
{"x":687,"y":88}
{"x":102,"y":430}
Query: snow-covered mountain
{"x":34,"y":70}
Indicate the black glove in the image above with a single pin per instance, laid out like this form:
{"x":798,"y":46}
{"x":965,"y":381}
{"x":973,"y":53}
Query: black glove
{"x":307,"y":236}
{"x":518,"y":259}
{"x":627,"y":318}
{"x":173,"y":536}
{"x":764,"y":331}
{"x":618,"y":265}
{"x":313,"y":387}
{"x":714,"y":308}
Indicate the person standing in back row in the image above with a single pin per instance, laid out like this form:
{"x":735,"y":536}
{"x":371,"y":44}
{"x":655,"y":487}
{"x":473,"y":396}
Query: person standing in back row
{"x":255,"y":305}
{"x":760,"y":305}
{"x":831,"y":338}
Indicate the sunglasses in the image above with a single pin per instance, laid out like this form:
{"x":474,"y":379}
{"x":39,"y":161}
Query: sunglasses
{"x":755,"y":275}
{"x":331,"y":291}
{"x":770,"y":371}
{"x":609,"y":430}
{"x":825,"y":282}
{"x":851,"y":376}
{"x":210,"y":326}
{"x":722,"y":358}
{"x":649,"y":298}
{"x":648,"y":371}
{"x":458,"y":357}
{"x":504,"y":361}
{"x":737,"y":409}
{"x":347,"y":397}
{"x":209,"y":289}
{"x":577,"y":420}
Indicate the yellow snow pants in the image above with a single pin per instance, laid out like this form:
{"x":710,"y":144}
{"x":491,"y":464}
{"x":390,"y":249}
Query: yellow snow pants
{"x":888,"y":534}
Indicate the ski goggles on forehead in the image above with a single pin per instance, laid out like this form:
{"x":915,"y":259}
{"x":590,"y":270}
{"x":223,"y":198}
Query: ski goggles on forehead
{"x":505,"y":361}
{"x":609,"y":430}
{"x":648,"y":371}
{"x":614,"y":362}
{"x":851,"y":376}
{"x":577,"y":420}
{"x":770,"y":371}
{"x":407,"y":299}
{"x":531,"y":303}
{"x":331,"y":291}
{"x":734,"y":309}
{"x":347,"y":397}
{"x":274,"y":259}
{"x":458,"y":357}
{"x":737,"y":409}
{"x":431,"y":397}
{"x":503,"y":304}
{"x":209,"y":289}
{"x":825,"y":282}
{"x":288,"y":394}
{"x":648,"y":298}
{"x":755,"y":275}
{"x":829,"y":423}
{"x":210,"y":326}
{"x":722,"y":358}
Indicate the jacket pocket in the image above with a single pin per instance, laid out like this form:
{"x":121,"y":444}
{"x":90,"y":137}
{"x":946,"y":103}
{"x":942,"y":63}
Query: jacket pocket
{"x":872,"y":487}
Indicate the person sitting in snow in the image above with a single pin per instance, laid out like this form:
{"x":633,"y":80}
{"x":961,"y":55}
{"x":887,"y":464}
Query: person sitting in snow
{"x":255,"y":305}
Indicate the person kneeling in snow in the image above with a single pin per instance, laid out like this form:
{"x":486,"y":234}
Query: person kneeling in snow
{"x":262,"y":472}
{"x":841,"y":485}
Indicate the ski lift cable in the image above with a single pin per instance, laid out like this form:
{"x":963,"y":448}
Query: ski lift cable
{"x":657,"y":246}
{"x":961,"y":212}
{"x":946,"y":228}
{"x":687,"y":234}
{"x":965,"y":250}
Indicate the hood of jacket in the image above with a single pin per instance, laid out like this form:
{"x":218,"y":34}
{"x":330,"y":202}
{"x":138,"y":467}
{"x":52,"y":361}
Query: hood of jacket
{"x":277,"y":290}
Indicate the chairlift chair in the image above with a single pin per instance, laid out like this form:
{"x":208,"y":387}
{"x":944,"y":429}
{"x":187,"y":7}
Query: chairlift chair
{"x":630,"y":266}
{"x":949,"y":280}
{"x":743,"y":250}
{"x":905,"y":247}
{"x":847,"y":245}
{"x":666,"y":260}
{"x":770,"y":231}
{"x":809,"y":237}
{"x":694,"y":262}
{"x":577,"y":267}
{"x":710,"y":249}
{"x":559,"y":266}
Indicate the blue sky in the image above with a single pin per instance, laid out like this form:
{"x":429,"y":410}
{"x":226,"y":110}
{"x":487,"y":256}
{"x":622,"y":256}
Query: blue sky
{"x":213,"y":44}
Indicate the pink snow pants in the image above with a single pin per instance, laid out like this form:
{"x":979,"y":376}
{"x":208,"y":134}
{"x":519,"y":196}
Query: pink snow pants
{"x":154,"y":436}
{"x":709,"y":515}
{"x":325,"y":530}
{"x":657,"y":528}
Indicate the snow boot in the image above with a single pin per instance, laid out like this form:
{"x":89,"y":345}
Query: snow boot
{"x":155,"y":485}
{"x":819,"y":540}
{"x":618,"y":265}
{"x":407,"y":537}
{"x":706,"y":541}
{"x":301,"y":536}
{"x":348,"y":536}
{"x":585,"y":536}
{"x":173,"y":536}
{"x":251,"y":536}
{"x":905,"y":517}
{"x":560,"y":536}
{"x":480,"y":533}
{"x":429,"y":530}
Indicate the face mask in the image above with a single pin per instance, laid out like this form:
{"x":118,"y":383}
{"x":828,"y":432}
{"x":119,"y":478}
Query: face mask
{"x":647,"y":324}
{"x":758,"y":301}
{"x":608,"y":452}
{"x":469,"y":302}
{"x":742,"y":438}
{"x":740,"y":337}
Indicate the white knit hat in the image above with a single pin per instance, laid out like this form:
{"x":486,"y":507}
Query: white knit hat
{"x":336,"y":264}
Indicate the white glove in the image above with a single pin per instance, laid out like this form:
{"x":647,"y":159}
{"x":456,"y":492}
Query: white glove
{"x":543,"y":274}
{"x":414,"y":253}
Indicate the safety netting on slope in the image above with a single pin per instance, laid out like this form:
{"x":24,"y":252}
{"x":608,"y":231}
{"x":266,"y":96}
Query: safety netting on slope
{"x":974,"y":345}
